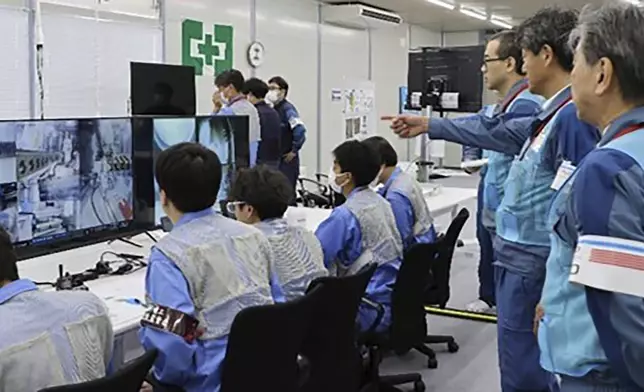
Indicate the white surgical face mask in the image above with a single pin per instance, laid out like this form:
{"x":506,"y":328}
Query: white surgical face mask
{"x":376,"y":181}
{"x":333,"y":184}
{"x":273,"y":97}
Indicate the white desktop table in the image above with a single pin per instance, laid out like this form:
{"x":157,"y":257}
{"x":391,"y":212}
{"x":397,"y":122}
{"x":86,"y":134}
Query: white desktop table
{"x":116,"y":290}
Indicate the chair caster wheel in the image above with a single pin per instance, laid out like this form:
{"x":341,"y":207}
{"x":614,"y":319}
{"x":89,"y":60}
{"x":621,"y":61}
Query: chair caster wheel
{"x":452,"y":347}
{"x":419,"y":386}
{"x":432,"y":363}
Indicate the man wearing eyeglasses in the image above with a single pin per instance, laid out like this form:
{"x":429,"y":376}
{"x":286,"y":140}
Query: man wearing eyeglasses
{"x":502,"y":72}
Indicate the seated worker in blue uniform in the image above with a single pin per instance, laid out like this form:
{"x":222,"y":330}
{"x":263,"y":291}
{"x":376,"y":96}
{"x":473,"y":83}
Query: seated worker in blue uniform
{"x":542,"y":145}
{"x":413,"y":218}
{"x":269,"y":152}
{"x":230,"y":86}
{"x":362,"y":230}
{"x":206,"y":269}
{"x":503,"y":72}
{"x":593,"y":337}
{"x":261,"y":196}
{"x":293,"y":130}
{"x":50,"y":338}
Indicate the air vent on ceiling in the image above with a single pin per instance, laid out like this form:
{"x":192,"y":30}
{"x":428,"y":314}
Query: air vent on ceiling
{"x":359,"y":16}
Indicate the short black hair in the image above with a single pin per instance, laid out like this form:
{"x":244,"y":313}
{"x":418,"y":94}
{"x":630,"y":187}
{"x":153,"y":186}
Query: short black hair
{"x":8,"y":258}
{"x":550,"y":26}
{"x":509,"y":48}
{"x":257,"y":87}
{"x":190,"y":175}
{"x":267,"y":190}
{"x":281,"y":82}
{"x":357,"y":158}
{"x":231,"y":77}
{"x":388,"y":156}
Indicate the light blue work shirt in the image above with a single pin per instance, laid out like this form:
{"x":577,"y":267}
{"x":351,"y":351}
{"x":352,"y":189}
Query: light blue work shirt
{"x":196,"y":366}
{"x":405,"y":212}
{"x":240,"y":106}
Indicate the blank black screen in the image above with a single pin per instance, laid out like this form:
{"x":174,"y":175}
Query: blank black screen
{"x":162,"y":89}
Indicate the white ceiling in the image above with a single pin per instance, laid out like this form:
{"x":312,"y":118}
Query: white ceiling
{"x":437,"y":18}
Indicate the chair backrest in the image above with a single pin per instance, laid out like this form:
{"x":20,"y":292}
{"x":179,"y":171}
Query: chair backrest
{"x":127,"y":379}
{"x":330,"y":346}
{"x":438,"y":290}
{"x":408,"y":325}
{"x":314,"y":193}
{"x":264,"y":344}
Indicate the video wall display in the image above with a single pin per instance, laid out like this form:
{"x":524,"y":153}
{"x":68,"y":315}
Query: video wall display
{"x":226,"y":136}
{"x":64,"y":176}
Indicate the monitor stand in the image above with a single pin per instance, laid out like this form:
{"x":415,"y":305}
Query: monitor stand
{"x":128,"y":240}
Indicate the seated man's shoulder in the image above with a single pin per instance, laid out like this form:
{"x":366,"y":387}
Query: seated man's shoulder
{"x":81,"y":303}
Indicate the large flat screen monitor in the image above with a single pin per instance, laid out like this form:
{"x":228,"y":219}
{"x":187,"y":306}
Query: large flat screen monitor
{"x":227,"y":136}
{"x":66,"y":183}
{"x":162,"y":89}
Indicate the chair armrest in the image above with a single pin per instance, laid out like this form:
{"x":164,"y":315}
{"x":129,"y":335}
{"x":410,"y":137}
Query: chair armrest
{"x":303,"y":370}
{"x":380,"y":309}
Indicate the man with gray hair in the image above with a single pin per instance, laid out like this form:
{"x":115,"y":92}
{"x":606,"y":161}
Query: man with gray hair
{"x":590,"y":333}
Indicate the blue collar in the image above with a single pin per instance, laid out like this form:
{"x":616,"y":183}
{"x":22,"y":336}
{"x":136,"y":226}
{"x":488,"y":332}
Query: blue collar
{"x":15,"y":288}
{"x":553,"y":104}
{"x":390,"y":181}
{"x":190,"y":216}
{"x":630,"y":118}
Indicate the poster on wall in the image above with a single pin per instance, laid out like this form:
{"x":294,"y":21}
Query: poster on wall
{"x":359,"y":110}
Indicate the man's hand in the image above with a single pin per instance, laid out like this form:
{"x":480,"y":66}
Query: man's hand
{"x":538,"y":315}
{"x":407,"y":126}
{"x":289,"y":157}
{"x":146,"y":387}
{"x":472,"y":170}
{"x":216,"y":103}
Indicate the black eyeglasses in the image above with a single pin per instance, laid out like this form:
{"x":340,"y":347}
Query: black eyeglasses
{"x":492,"y":59}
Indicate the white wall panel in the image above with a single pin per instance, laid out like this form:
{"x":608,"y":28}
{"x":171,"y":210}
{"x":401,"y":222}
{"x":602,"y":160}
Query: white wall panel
{"x":288,"y":31}
{"x":420,"y":37}
{"x":461,"y":38}
{"x":389,"y":62}
{"x":211,"y":12}
{"x":14,"y":63}
{"x":345,"y":58}
{"x":142,"y":8}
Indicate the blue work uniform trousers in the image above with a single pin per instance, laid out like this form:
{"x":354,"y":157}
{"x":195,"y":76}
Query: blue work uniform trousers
{"x":292,"y":171}
{"x":517,"y":297}
{"x":486,"y":259}
{"x":593,"y":382}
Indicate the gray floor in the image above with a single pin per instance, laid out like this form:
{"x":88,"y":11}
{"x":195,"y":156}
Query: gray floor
{"x":474,"y":368}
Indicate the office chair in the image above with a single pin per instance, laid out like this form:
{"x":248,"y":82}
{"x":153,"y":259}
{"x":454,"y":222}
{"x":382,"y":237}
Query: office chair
{"x":437,"y":289}
{"x":330,"y":345}
{"x":314,"y":193}
{"x":127,"y":379}
{"x":263,"y":346}
{"x":408,"y":328}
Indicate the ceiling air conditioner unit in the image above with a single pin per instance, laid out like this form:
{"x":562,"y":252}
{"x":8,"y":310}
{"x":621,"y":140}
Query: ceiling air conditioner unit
{"x":359,"y":16}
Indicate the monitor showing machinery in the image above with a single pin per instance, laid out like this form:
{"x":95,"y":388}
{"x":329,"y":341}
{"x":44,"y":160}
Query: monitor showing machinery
{"x":162,"y":89}
{"x":65,"y":178}
{"x":227,"y":136}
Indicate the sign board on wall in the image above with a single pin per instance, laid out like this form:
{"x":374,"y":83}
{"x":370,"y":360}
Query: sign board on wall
{"x":210,"y":52}
{"x":358,"y":109}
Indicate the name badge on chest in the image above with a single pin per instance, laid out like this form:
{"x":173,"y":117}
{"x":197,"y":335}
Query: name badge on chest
{"x":609,"y":263}
{"x":563,"y":174}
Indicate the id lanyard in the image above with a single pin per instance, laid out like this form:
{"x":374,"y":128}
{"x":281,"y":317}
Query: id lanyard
{"x":508,"y":101}
{"x":626,"y":131}
{"x":542,"y":126}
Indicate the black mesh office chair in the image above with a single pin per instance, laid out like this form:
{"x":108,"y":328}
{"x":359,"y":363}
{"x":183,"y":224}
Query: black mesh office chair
{"x":127,"y":379}
{"x":263,"y":346}
{"x":314,"y":193}
{"x":437,"y":289}
{"x":330,"y":347}
{"x":408,"y":320}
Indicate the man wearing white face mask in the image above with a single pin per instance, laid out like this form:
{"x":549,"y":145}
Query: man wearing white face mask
{"x":413,"y":219}
{"x":362,"y":230}
{"x":293,"y":130}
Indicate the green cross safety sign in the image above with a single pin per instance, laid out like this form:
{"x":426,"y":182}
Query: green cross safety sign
{"x":200,"y":49}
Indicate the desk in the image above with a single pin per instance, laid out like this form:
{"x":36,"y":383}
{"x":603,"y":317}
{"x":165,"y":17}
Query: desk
{"x":125,"y":316}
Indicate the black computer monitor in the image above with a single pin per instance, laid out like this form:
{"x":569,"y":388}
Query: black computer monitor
{"x":162,"y":89}
{"x":66,"y":183}
{"x":225,"y":135}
